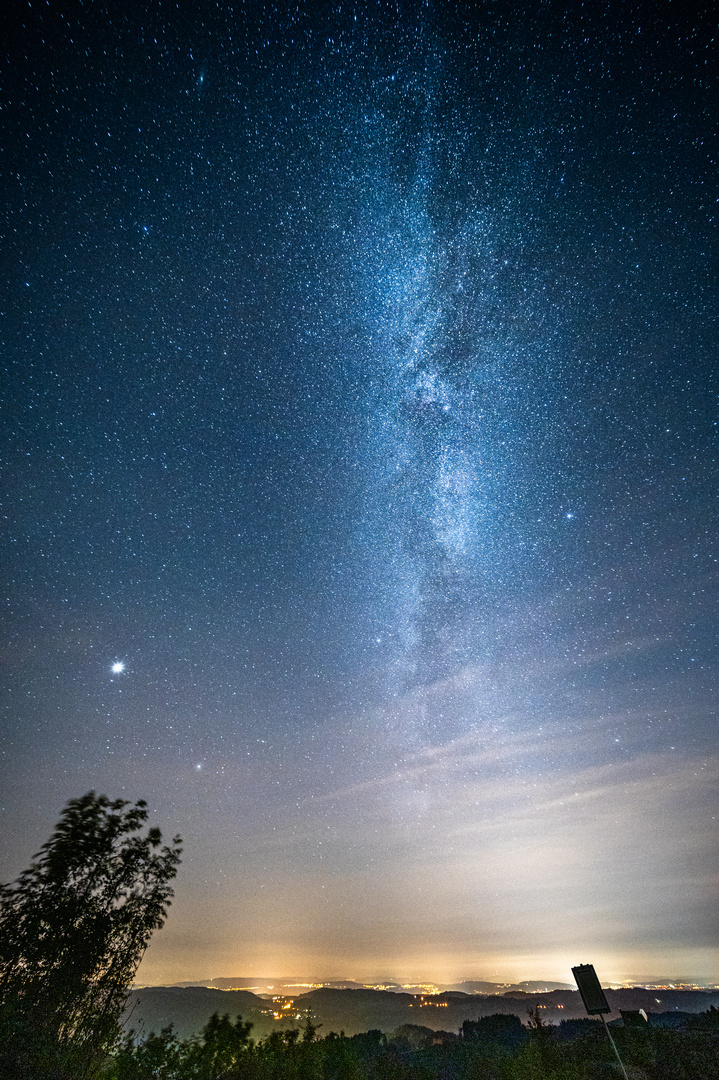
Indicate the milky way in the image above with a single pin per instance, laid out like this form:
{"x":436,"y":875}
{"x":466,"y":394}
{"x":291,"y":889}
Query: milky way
{"x":359,"y":443}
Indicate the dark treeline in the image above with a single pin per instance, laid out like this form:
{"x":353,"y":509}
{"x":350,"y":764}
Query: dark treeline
{"x":494,"y":1048}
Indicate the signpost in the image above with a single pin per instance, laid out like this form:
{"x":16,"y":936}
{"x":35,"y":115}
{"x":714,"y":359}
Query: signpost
{"x":595,"y":1001}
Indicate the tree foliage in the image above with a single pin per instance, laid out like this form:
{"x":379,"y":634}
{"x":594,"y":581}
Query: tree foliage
{"x":537,"y":1051}
{"x":73,"y":929}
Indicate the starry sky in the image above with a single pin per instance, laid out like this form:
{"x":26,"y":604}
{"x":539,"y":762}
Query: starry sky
{"x":359,"y":451}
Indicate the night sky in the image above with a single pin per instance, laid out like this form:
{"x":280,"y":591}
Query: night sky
{"x":359,"y":418}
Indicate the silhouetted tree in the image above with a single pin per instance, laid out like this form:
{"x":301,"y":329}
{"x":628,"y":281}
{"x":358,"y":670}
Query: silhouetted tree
{"x":73,"y":929}
{"x":159,"y":1057}
{"x":222,"y":1048}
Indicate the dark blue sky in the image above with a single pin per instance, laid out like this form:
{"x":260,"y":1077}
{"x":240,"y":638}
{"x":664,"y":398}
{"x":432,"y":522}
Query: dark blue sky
{"x":360,"y":400}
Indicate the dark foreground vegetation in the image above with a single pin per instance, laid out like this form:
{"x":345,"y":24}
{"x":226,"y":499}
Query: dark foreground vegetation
{"x":494,"y":1048}
{"x":73,"y":929}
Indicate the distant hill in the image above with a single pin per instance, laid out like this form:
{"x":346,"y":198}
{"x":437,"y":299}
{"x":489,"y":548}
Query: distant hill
{"x":189,"y":1008}
{"x":528,"y":986}
{"x":356,"y":1010}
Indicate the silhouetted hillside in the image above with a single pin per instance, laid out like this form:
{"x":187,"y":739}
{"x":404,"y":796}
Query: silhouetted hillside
{"x":189,"y":1008}
{"x":357,"y":1011}
{"x":354,"y":1011}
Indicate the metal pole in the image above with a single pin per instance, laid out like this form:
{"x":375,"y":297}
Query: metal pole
{"x":614,"y":1048}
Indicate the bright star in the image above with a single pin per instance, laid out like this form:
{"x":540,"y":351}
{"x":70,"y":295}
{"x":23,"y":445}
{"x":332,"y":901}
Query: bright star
{"x":118,"y":667}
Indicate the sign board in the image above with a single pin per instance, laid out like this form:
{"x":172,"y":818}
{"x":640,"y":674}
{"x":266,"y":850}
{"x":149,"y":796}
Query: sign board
{"x":592,"y":994}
